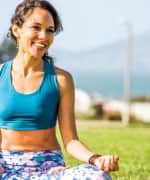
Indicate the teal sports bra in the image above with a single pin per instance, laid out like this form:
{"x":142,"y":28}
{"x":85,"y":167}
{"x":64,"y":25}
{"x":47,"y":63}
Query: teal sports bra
{"x":33,"y":111}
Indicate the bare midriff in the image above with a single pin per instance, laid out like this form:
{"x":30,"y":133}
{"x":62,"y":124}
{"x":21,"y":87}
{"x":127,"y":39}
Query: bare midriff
{"x":29,"y":140}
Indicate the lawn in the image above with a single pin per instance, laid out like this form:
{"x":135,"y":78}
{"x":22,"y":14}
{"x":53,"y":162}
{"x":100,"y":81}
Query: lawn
{"x":131,"y":144}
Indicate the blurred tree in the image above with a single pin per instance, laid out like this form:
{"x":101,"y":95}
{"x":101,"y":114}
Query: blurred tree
{"x":7,"y":50}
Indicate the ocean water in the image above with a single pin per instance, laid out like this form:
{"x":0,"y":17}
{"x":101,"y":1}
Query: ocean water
{"x":111,"y":85}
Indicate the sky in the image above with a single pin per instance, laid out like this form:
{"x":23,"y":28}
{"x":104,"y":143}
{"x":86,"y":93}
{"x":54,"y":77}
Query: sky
{"x":90,"y":23}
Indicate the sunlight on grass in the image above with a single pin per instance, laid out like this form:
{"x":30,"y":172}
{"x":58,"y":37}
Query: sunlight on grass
{"x":131,"y":144}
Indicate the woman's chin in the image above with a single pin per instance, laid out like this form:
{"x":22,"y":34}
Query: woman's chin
{"x":37,"y":55}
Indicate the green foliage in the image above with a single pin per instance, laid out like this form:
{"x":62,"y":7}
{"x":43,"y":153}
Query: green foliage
{"x":88,"y":117}
{"x":141,"y":99}
{"x":114,"y":117}
{"x":7,"y":50}
{"x":131,"y":144}
{"x":133,"y":121}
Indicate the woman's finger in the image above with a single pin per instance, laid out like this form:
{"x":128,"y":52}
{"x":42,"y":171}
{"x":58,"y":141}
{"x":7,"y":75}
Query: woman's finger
{"x":107,"y":164}
{"x":99,"y":162}
{"x":114,"y":163}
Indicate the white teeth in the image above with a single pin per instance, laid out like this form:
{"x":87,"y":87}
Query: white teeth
{"x":40,"y":45}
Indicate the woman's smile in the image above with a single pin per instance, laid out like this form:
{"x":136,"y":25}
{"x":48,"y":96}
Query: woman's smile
{"x":40,"y":46}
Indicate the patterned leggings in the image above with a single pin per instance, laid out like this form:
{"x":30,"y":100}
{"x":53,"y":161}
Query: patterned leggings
{"x":18,"y":165}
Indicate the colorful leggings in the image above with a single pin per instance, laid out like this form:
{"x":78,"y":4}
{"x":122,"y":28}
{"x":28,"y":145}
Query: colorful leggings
{"x":18,"y":165}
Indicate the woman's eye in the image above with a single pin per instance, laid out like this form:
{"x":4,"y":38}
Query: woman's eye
{"x":36,"y":27}
{"x":50,"y":31}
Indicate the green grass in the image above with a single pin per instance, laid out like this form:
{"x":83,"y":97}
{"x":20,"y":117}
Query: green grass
{"x":131,"y":144}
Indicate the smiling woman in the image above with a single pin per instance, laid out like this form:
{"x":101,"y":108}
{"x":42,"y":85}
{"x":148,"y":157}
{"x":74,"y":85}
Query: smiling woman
{"x":36,"y":34}
{"x":33,"y":94}
{"x":52,"y":22}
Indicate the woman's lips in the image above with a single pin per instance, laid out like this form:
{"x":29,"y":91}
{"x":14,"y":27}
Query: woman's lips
{"x":40,"y":45}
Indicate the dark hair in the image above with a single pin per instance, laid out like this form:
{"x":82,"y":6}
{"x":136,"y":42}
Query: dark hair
{"x":27,"y":6}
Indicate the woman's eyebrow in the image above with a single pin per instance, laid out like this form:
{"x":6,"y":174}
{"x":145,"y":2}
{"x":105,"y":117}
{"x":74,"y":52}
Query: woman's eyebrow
{"x":39,"y":24}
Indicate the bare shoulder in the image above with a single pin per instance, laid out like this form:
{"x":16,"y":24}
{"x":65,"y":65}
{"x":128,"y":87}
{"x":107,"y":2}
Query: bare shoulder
{"x":1,"y":65}
{"x":65,"y":79}
{"x":63,"y":74}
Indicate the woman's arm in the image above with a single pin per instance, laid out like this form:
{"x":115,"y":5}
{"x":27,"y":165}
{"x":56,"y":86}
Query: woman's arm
{"x":66,"y":117}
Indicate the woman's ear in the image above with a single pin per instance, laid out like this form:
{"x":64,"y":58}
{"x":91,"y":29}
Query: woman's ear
{"x":16,"y":31}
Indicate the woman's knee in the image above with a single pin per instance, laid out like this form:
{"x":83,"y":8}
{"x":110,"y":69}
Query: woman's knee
{"x":86,"y":172}
{"x":96,"y":174}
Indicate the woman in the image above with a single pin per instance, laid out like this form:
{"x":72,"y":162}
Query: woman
{"x":33,"y":93}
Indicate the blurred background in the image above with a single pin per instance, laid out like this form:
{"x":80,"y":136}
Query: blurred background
{"x":105,"y":45}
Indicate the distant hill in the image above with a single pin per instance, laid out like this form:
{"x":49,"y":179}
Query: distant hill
{"x":100,"y":70}
{"x":107,"y":58}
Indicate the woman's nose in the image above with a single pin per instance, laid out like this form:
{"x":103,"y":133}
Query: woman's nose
{"x":43,"y":35}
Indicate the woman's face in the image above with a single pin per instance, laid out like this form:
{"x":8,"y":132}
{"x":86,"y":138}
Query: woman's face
{"x":36,"y":34}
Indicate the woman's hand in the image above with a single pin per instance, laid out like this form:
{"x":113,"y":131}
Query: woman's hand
{"x":107,"y":163}
{"x":57,"y":169}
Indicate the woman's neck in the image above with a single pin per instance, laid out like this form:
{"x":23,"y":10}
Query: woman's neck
{"x":25,"y":64}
